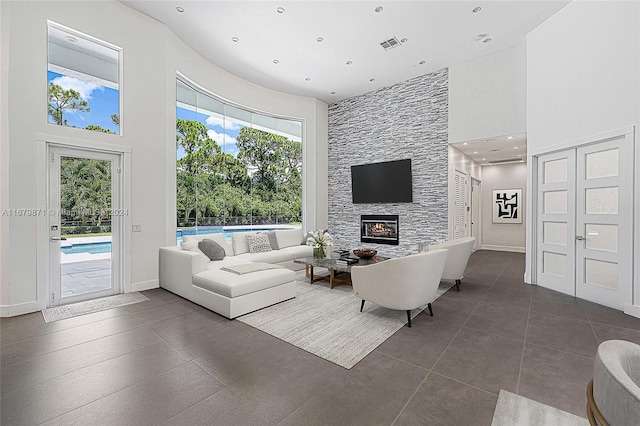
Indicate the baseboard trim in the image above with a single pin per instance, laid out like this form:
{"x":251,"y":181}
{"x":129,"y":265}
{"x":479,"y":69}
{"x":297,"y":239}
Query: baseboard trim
{"x":19,"y":309}
{"x":632,"y":310}
{"x":504,"y":248}
{"x":145,"y":285}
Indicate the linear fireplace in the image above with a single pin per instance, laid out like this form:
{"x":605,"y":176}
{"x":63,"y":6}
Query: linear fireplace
{"x":381,"y":229}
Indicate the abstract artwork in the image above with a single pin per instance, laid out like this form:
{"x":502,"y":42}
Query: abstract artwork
{"x":507,"y":206}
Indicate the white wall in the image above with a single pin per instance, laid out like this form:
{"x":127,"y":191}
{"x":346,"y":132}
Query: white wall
{"x":4,"y":154}
{"x":583,"y":79}
{"x":502,"y":236}
{"x":152,"y":55}
{"x":463,"y":163}
{"x":487,"y":96}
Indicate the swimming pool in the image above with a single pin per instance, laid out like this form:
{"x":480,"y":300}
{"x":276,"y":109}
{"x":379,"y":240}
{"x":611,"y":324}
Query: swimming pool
{"x":105,"y":247}
{"x":91,"y":248}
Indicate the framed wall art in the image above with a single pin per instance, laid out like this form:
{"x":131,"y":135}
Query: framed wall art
{"x":507,"y":206}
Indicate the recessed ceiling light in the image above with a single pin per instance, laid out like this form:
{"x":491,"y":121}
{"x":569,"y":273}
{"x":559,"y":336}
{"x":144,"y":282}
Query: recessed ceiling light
{"x":515,"y":147}
{"x":509,"y":137}
{"x":280,"y":10}
{"x":519,"y":155}
{"x":235,"y":39}
{"x":349,"y":62}
{"x":372,"y":79}
{"x":476,"y":9}
{"x":71,"y":39}
{"x":465,"y":143}
{"x":475,"y":152}
{"x":180,"y":9}
{"x":422,"y":62}
{"x":379,"y":9}
{"x":484,"y":159}
{"x":307,"y":79}
{"x":404,"y":40}
{"x":487,"y":40}
{"x":320,"y":39}
{"x":275,"y":61}
{"x":479,"y":37}
{"x":333,"y":93}
{"x":485,"y":141}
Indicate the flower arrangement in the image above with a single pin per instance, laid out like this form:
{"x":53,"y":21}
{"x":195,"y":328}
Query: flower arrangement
{"x":319,"y":240}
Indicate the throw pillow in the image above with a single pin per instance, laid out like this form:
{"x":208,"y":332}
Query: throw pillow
{"x":289,"y":237}
{"x":211,"y":249}
{"x":192,"y":245}
{"x":273,"y":241}
{"x":258,"y":243}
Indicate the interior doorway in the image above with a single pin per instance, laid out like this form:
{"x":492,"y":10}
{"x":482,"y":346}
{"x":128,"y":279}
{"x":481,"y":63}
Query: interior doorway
{"x":84,"y":224}
{"x":476,"y":206}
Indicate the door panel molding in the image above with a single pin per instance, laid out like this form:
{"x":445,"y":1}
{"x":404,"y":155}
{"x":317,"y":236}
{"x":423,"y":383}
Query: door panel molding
{"x":628,"y":181}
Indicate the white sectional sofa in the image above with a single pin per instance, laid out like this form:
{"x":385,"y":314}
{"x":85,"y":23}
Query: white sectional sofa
{"x":190,"y":274}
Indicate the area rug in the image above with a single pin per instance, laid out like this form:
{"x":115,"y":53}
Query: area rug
{"x":516,"y":410}
{"x":91,"y":306}
{"x":328,"y":322}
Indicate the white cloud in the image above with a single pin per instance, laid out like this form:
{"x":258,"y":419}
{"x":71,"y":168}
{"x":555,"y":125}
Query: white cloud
{"x":225,"y":124}
{"x":83,"y":87}
{"x":221,"y":138}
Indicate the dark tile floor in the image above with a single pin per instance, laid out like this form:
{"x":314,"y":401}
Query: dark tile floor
{"x":172,"y":362}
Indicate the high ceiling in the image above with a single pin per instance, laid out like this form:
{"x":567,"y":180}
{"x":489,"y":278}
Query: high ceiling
{"x":331,"y":50}
{"x":496,"y":150}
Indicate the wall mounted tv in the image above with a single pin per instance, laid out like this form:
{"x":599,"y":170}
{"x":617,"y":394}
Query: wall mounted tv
{"x":387,"y":182}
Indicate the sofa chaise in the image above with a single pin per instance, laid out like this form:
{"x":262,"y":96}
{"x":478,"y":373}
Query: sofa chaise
{"x":187,"y":272}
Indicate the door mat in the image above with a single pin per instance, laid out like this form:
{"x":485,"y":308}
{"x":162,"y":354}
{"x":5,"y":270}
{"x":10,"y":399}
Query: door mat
{"x":91,"y":306}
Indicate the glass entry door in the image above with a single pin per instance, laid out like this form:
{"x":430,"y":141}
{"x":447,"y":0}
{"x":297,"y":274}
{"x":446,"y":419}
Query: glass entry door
{"x":84,"y":224}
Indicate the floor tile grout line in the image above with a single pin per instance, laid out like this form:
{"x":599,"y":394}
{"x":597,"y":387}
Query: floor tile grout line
{"x":593,"y":330}
{"x":304,"y":403}
{"x":116,"y":391}
{"x":100,"y":362}
{"x":464,"y":383}
{"x":147,"y":325}
{"x":410,"y":398}
{"x":524,"y":346}
{"x":559,"y":350}
{"x":88,"y":365}
{"x":90,"y":322}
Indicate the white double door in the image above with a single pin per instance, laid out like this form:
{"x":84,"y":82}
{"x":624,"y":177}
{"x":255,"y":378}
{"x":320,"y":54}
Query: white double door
{"x":584,"y":222}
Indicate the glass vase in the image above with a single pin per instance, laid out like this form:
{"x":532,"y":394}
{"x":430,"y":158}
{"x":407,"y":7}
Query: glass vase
{"x":318,"y":252}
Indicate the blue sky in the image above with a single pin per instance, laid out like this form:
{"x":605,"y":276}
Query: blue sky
{"x":226,"y":138}
{"x":103,"y":102}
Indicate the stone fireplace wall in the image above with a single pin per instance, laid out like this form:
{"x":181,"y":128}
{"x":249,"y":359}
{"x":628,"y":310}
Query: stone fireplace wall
{"x":406,"y":120}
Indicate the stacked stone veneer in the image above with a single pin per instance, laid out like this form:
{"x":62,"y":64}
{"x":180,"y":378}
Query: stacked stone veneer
{"x":406,"y":120}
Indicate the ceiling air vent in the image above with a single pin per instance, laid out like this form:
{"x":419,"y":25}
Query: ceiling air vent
{"x":391,"y":43}
{"x":511,"y":160}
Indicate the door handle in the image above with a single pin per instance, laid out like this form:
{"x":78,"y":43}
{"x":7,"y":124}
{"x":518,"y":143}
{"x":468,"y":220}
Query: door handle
{"x":579,"y":238}
{"x":58,"y":239}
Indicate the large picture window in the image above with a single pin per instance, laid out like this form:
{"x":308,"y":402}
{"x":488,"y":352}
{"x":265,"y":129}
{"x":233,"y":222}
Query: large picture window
{"x":82,"y":81}
{"x":236,"y":169}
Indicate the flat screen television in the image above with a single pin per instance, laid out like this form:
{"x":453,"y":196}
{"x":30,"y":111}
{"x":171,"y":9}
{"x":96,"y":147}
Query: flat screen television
{"x":387,"y":182}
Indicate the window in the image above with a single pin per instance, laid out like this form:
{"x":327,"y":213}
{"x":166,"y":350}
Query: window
{"x":235,"y":167}
{"x":83,"y":81}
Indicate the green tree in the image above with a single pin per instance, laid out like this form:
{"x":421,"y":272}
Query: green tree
{"x":85,"y":190}
{"x":61,"y":100}
{"x":115,"y":118}
{"x":96,"y":128}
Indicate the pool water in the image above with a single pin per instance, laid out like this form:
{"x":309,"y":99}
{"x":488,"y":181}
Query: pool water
{"x":92,"y":248}
{"x":105,"y":247}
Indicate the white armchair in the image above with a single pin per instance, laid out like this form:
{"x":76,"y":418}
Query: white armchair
{"x":459,"y":252}
{"x":403,"y":283}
